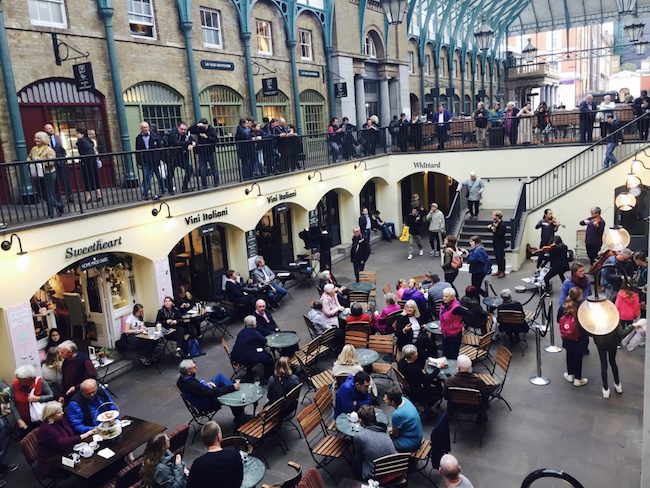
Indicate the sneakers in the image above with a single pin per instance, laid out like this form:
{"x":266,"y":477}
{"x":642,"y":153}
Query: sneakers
{"x":618,"y":388}
{"x":410,"y":256}
{"x":436,"y":253}
{"x":179,"y":353}
{"x":421,"y":252}
{"x":605,"y":393}
{"x":569,"y":377}
{"x":580,"y":382}
{"x":432,"y":253}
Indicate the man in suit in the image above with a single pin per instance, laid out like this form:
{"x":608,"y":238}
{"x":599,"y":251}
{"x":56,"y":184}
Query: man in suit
{"x":147,"y":140}
{"x":266,"y":324}
{"x":442,"y":119}
{"x":61,"y":164}
{"x":587,"y":118}
{"x":365,"y":224}
{"x":359,"y":252}
{"x":182,"y":156}
{"x":403,"y":132}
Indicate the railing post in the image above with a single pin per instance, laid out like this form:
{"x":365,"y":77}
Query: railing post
{"x":538,"y":380}
{"x":550,"y":324}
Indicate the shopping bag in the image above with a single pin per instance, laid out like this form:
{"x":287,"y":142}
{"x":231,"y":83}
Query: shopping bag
{"x":405,"y":234}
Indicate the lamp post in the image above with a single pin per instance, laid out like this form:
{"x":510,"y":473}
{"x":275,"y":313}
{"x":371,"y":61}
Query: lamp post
{"x":529,"y":52}
{"x":597,"y":314}
{"x":394,"y":10}
{"x":625,"y":6}
{"x":484,"y":35}
{"x":634,"y":30}
{"x":640,"y":47}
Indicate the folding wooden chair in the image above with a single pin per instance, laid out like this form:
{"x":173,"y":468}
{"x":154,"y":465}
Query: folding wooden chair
{"x":360,"y":297}
{"x":359,"y":326}
{"x":481,"y":351}
{"x":392,"y":319}
{"x":237,"y":442}
{"x":264,"y":425}
{"x":308,"y":354}
{"x":291,"y":482}
{"x":29,"y":447}
{"x":516,"y":321}
{"x":290,"y":406}
{"x":385,"y":346}
{"x":497,"y":378}
{"x":236,"y":367}
{"x":473,"y":339}
{"x":465,"y":405}
{"x":310,"y":327}
{"x":406,"y":391}
{"x":436,"y":309}
{"x":324,"y":448}
{"x":420,"y":458}
{"x":391,"y":470}
{"x":324,"y":400}
{"x":316,"y":380}
{"x":198,"y":417}
{"x":356,"y":339}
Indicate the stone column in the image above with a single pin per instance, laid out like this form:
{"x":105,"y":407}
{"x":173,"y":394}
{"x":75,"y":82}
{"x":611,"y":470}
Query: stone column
{"x":384,"y":100}
{"x":360,"y":95}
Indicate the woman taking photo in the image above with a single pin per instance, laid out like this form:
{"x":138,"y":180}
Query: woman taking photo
{"x":170,"y":318}
{"x":89,"y":167}
{"x":576,"y":345}
{"x":282,"y":381}
{"x":160,"y":467}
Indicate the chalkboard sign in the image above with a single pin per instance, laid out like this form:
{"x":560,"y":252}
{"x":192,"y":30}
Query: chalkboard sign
{"x":251,"y":243}
{"x":340,"y":90}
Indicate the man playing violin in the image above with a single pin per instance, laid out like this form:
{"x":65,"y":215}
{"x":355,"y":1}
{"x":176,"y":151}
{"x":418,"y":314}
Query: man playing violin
{"x":549,"y":226}
{"x":594,"y":233}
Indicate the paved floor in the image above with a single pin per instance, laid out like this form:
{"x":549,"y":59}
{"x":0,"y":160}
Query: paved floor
{"x":555,"y":426}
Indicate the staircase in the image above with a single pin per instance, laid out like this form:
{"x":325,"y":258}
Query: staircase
{"x":479,"y":228}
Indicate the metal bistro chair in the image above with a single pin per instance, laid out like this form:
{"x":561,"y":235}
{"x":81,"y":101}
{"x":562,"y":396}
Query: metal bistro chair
{"x":392,"y":470}
{"x":236,"y":367}
{"x":291,"y":482}
{"x":313,"y":333}
{"x":497,"y":378}
{"x":200,"y":418}
{"x":465,"y":405}
{"x":512,"y":319}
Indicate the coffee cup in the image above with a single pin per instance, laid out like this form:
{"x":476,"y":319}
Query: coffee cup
{"x":354,"y":417}
{"x":159,"y":328}
{"x":87,"y":452}
{"x":94,"y":445}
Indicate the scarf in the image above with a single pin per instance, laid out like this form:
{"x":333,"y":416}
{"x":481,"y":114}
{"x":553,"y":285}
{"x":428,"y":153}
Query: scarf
{"x":580,"y":282}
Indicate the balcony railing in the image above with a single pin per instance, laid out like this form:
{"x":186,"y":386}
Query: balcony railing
{"x":31,"y":192}
{"x":532,"y":70}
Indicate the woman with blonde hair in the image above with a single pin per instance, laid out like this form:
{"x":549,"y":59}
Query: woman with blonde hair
{"x":409,"y":329}
{"x":282,"y":381}
{"x":160,"y":467}
{"x":347,"y":363}
{"x":55,"y":438}
{"x":44,"y":172}
{"x":52,"y":372}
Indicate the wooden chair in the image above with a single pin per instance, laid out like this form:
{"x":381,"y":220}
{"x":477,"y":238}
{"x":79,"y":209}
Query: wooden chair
{"x":236,"y":367}
{"x":310,"y":327}
{"x":436,"y":309}
{"x":392,"y":319}
{"x":29,"y":447}
{"x":516,"y":321}
{"x":473,"y":339}
{"x":324,"y":448}
{"x":406,"y":391}
{"x":359,"y":326}
{"x":264,"y":425}
{"x":308,"y":354}
{"x":481,"y":351}
{"x":327,"y":340}
{"x":391,"y":470}
{"x":324,"y":400}
{"x":465,"y":405}
{"x":385,"y":346}
{"x":401,"y":303}
{"x":497,"y":378}
{"x":356,"y":339}
{"x":178,"y":439}
{"x":370,"y":277}
{"x":360,"y":297}
{"x":238,"y":443}
{"x":291,"y":482}
{"x":420,"y":458}
{"x":290,"y":406}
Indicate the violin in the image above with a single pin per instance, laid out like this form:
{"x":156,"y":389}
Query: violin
{"x":601,"y":261}
{"x":544,"y":249}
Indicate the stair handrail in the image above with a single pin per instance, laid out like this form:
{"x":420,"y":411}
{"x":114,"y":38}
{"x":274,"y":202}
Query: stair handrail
{"x":525,"y":192}
{"x":453,"y":218}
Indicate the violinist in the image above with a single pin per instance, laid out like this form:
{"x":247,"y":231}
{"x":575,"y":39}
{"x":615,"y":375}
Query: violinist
{"x":594,"y":233}
{"x":558,"y":256}
{"x":498,"y":229}
{"x":549,"y":226}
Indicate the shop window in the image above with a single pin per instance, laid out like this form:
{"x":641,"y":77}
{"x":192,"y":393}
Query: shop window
{"x":225,"y":106}
{"x":264,"y":37}
{"x":141,"y":19}
{"x":165,"y":117}
{"x":306,"y":51}
{"x":411,"y":62}
{"x":49,"y":13}
{"x":272,"y":107}
{"x":154,"y":102}
{"x":427,"y":64}
{"x":312,"y":104}
{"x":211,"y":27}
{"x":369,"y":47}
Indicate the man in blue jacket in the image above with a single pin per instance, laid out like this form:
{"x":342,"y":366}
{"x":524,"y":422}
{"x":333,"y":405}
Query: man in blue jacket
{"x":353,"y":393}
{"x":84,"y":406}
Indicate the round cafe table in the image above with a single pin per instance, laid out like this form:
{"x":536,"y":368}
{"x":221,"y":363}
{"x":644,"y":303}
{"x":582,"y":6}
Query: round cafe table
{"x":254,"y":470}
{"x":361,"y":286}
{"x":449,"y":371}
{"x":433,"y":327}
{"x":248,"y":394}
{"x":366,"y":356}
{"x":281,"y":340}
{"x":344,"y":426}
{"x":492,"y":302}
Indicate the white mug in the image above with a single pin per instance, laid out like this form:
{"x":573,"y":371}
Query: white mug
{"x":354,"y":417}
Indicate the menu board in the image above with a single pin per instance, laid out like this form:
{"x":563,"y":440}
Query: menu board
{"x":163,"y":279}
{"x":251,"y":243}
{"x":21,"y":333}
{"x":313,"y":218}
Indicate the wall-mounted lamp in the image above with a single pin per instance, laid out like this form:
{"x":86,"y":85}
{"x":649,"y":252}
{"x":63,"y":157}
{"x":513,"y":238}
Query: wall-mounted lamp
{"x":156,"y":211}
{"x":365,"y":166}
{"x":313,"y":175}
{"x":6,"y":244}
{"x":248,"y":191}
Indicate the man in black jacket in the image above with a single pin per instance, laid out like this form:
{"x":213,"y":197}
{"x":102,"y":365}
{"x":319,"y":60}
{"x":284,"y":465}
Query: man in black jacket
{"x":149,"y":160}
{"x":181,"y":157}
{"x":403,"y":132}
{"x":481,"y":118}
{"x":236,"y":294}
{"x":614,"y":137}
{"x":207,"y":137}
{"x":56,"y":143}
{"x":414,"y":222}
{"x":204,"y":395}
{"x":359,"y":252}
{"x":641,"y":106}
{"x":587,"y":118}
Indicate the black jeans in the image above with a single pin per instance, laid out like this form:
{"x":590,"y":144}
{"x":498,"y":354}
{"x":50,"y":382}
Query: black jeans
{"x":500,"y":257}
{"x":472,"y":206}
{"x":477,"y":281}
{"x":451,"y":346}
{"x":592,"y":251}
{"x":450,"y":276}
{"x":442,"y":135}
{"x":574,"y":364}
{"x":604,"y":355}
{"x":551,"y":273}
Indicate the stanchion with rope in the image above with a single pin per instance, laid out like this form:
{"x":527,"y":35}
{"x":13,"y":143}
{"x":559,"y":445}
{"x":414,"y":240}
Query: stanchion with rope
{"x":540,"y":380}
{"x":550,"y":324}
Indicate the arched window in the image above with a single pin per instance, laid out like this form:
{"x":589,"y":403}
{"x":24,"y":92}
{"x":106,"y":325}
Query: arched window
{"x":223,"y":107}
{"x":369,"y":47}
{"x":156,"y":103}
{"x":312,"y":108}
{"x":272,"y":107}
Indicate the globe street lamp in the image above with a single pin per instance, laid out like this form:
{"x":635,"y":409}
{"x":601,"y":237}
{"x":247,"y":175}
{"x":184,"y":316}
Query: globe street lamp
{"x":484,"y":35}
{"x":529,"y":52}
{"x":616,"y":238}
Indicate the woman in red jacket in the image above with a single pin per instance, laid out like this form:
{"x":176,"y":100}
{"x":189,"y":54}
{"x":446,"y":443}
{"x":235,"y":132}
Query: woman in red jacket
{"x":55,"y":438}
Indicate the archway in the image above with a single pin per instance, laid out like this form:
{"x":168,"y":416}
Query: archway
{"x":430,"y":187}
{"x":223,"y":106}
{"x":272,"y":107}
{"x":415,"y":103}
{"x":89,"y":299}
{"x":157,"y":103}
{"x":275,"y":236}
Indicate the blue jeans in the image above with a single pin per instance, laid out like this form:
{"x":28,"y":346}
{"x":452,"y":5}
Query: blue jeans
{"x":147,"y":173}
{"x":334,"y":151}
{"x":357,"y":268}
{"x":50,"y":195}
{"x":610,"y":158}
{"x":275,"y":293}
{"x":220,"y":380}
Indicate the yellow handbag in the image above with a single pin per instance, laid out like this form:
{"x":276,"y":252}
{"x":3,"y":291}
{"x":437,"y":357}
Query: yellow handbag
{"x":405,"y":234}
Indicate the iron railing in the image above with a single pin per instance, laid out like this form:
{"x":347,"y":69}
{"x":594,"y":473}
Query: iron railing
{"x":454,"y":217}
{"x":573,"y":172}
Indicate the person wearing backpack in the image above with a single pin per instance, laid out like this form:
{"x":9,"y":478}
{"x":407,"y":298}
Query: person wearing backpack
{"x":575,"y":339}
{"x":479,"y":263}
{"x":452,"y":259}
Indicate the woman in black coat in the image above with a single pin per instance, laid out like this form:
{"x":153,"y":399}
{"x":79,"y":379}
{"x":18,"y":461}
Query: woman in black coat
{"x":89,"y":170}
{"x":575,"y":349}
{"x":498,"y":229}
{"x":171,"y":318}
{"x":409,"y":329}
{"x":558,"y":256}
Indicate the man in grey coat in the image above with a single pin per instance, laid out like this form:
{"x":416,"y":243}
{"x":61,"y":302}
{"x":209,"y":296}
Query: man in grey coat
{"x":473,"y":191}
{"x":372,"y":441}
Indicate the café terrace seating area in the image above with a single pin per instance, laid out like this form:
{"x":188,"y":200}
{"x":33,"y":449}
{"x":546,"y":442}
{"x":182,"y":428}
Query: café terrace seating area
{"x":528,"y":427}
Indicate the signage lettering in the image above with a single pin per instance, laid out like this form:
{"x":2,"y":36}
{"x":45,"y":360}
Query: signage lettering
{"x":251,"y":243}
{"x":94,"y":262}
{"x":340,"y":90}
{"x":206,"y":216}
{"x":83,"y":76}
{"x":98,"y":245}
{"x":308,"y":73}
{"x":281,"y":196}
{"x":218,"y":65}
{"x":422,"y":165}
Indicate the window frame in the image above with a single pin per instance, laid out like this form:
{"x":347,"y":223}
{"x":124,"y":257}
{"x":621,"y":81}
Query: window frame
{"x":427,"y":64}
{"x":44,"y":23}
{"x":152,"y":14}
{"x":219,"y":30}
{"x":309,"y":45}
{"x":369,"y":47}
{"x":411,"y":61}
{"x":268,"y":23}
